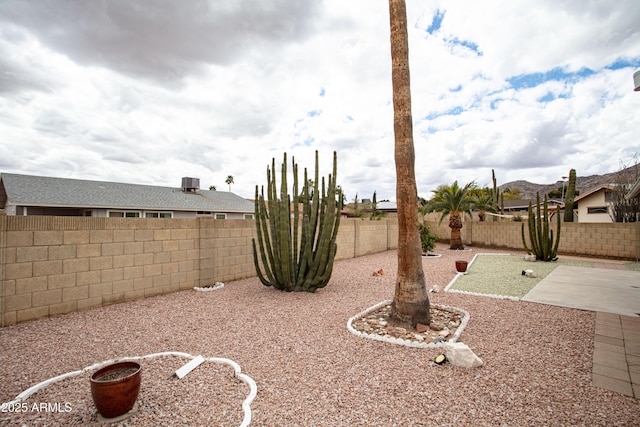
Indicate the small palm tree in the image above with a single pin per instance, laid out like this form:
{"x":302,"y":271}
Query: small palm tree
{"x":483,"y":203}
{"x":229,"y":181}
{"x":453,"y":200}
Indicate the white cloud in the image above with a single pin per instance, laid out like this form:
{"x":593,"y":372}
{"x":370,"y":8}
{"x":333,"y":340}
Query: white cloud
{"x":150,"y":91}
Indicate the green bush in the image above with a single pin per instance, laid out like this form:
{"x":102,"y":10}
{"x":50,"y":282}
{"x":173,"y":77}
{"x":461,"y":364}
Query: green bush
{"x":427,"y":240}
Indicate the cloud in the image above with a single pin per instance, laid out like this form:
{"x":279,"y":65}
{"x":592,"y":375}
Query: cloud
{"x":162,"y":40}
{"x":152,"y":91}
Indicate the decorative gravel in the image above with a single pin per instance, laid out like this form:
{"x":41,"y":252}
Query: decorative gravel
{"x":309,"y":369}
{"x":635,"y":266}
{"x":502,"y":274}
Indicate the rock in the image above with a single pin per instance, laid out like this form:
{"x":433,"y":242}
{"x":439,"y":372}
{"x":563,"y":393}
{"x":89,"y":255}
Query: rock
{"x":530,"y":257}
{"x":459,"y":354}
{"x":435,"y":289}
{"x":418,"y":337}
{"x":529,"y":273}
{"x":421,"y":327}
{"x":397,"y":332}
{"x":444,"y":333}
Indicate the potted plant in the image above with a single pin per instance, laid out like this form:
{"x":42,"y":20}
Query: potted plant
{"x":115,"y":388}
{"x":461,"y":266}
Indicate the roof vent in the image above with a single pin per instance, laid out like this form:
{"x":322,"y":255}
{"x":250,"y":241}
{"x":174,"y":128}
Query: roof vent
{"x":190,"y":185}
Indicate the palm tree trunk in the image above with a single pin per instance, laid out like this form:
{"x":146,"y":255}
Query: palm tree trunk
{"x":410,"y":302}
{"x":455,"y":223}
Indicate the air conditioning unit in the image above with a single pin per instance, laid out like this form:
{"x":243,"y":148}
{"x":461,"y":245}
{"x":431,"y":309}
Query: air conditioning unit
{"x":190,"y":185}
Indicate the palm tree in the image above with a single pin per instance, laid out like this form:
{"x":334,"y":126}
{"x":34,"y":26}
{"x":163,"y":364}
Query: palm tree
{"x":453,"y":200}
{"x":410,"y":301}
{"x":229,"y":181}
{"x":484,"y":201}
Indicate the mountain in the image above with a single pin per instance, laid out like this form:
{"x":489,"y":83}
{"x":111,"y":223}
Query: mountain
{"x":583,"y":183}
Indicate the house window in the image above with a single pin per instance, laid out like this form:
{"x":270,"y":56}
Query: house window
{"x":248,"y":216}
{"x":158,"y":214}
{"x":124,"y":214}
{"x":221,"y":216}
{"x":204,"y":213}
{"x":597,"y":210}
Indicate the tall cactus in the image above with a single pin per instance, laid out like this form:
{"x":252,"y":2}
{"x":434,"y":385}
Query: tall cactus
{"x":543,"y":245}
{"x":571,"y":195}
{"x":296,"y":254}
{"x":495,"y":195}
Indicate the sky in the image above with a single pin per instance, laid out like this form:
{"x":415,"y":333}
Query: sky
{"x":148,"y":92}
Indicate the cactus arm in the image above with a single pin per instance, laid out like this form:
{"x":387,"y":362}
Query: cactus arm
{"x":263,"y":238}
{"x":555,"y":248}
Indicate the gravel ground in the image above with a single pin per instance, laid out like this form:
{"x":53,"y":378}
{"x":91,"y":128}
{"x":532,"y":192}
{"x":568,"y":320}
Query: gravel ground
{"x":310,"y":371}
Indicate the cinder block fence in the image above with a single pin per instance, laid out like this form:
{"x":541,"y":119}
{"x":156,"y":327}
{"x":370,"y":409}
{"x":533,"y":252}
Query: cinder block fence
{"x":56,"y":265}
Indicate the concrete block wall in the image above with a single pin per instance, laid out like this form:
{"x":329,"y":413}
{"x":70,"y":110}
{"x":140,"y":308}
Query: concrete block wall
{"x":602,"y":240}
{"x":226,"y":252}
{"x":58,"y":265}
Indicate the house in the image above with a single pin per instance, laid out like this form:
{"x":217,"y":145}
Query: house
{"x":595,"y":205}
{"x":40,"y":195}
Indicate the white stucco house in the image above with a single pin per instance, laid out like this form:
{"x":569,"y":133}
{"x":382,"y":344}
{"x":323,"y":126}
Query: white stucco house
{"x":41,"y":195}
{"x":595,"y":205}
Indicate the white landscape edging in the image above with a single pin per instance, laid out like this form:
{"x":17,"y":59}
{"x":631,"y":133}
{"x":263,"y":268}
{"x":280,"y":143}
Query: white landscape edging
{"x":408,"y":343}
{"x":246,"y":404}
{"x":218,"y":285}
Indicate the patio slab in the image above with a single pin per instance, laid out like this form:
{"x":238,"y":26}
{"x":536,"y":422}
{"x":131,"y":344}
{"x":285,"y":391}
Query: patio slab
{"x":594,"y":289}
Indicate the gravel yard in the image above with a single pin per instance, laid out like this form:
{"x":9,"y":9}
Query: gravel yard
{"x":309,"y":370}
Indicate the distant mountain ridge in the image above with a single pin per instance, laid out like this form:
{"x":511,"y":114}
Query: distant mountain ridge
{"x":528,"y":189}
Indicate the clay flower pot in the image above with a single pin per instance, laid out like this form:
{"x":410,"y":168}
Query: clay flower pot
{"x":115,"y":388}
{"x":461,"y":266}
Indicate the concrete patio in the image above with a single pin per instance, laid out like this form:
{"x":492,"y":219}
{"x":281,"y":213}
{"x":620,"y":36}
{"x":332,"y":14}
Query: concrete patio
{"x":614,"y":294}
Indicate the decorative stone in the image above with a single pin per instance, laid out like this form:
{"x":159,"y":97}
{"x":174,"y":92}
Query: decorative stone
{"x":421,"y":327}
{"x":530,"y":257}
{"x":435,"y":289}
{"x":459,"y":354}
{"x":398,"y":332}
{"x":444,"y":333}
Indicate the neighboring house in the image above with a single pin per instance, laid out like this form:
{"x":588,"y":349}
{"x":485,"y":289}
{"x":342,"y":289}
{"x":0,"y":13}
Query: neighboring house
{"x":39,"y":195}
{"x":520,"y":208}
{"x":634,"y":192}
{"x":388,"y":207}
{"x":595,"y":205}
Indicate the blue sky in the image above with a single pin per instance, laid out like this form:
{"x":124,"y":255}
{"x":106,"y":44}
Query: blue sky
{"x":151,"y":91}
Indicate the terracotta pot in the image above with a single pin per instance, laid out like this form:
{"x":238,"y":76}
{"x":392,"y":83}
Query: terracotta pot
{"x":461,"y":266}
{"x":115,"y":388}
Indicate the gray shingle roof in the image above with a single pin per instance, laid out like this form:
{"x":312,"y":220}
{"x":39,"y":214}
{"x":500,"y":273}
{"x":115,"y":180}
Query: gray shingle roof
{"x":29,"y":190}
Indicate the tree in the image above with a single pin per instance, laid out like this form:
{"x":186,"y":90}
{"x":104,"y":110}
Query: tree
{"x":229,"y":181}
{"x":212,"y":188}
{"x":453,"y":200}
{"x":622,"y":208}
{"x":511,"y":194}
{"x":484,"y":201}
{"x":410,"y":301}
